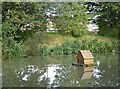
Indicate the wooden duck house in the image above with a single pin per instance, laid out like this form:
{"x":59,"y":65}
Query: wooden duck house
{"x":85,"y":57}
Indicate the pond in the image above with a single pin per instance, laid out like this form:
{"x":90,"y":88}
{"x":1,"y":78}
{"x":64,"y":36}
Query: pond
{"x":58,"y":71}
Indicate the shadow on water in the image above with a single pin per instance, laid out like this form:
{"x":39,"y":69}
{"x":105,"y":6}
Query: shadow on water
{"x":57,"y":71}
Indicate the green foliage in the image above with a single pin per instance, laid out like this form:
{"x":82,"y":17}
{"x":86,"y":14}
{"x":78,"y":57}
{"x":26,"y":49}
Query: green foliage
{"x":76,"y":46}
{"x":67,"y":47}
{"x":16,"y":15}
{"x":0,"y":32}
{"x":23,"y":13}
{"x":13,"y":49}
{"x":47,"y":44}
{"x":71,"y":18}
{"x":72,"y":47}
{"x":109,"y":32}
{"x":43,"y":51}
{"x":109,"y":18}
{"x":57,"y":50}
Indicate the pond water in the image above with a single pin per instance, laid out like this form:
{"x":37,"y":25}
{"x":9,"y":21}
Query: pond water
{"x":57,"y":71}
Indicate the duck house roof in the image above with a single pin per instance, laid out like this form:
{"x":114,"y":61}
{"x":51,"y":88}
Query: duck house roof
{"x":86,"y":54}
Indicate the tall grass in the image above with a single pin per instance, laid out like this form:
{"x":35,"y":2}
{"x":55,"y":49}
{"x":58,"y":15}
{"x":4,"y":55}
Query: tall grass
{"x":56,"y":44}
{"x":72,"y":47}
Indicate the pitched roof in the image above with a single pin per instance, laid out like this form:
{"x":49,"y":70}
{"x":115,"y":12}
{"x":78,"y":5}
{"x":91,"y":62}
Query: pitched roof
{"x":86,"y":54}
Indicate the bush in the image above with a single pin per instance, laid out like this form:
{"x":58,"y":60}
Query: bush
{"x":43,"y":50}
{"x":13,"y":49}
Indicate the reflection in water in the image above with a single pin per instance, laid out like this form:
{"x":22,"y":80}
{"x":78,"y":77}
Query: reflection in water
{"x":88,"y":72}
{"x":58,"y":72}
{"x":53,"y":73}
{"x":24,"y":74}
{"x":84,"y":72}
{"x":97,"y":62}
{"x":97,"y":73}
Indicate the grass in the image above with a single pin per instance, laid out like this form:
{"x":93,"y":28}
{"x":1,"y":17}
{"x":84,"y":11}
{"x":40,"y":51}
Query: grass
{"x":57,"y":44}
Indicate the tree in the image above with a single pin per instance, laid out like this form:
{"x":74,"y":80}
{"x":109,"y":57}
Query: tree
{"x":109,"y":19}
{"x":69,"y":17}
{"x":21,"y":14}
{"x":16,"y":15}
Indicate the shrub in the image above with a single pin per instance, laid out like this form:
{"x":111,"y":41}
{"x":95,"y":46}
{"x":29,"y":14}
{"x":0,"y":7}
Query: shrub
{"x":13,"y":49}
{"x":43,"y":50}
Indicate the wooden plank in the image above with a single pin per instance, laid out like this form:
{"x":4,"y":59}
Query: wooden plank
{"x":86,"y":54}
{"x":88,"y":61}
{"x":80,"y":58}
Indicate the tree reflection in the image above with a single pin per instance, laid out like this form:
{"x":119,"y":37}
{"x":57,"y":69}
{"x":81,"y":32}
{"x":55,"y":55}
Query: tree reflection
{"x":52,"y":74}
{"x":60,"y":73}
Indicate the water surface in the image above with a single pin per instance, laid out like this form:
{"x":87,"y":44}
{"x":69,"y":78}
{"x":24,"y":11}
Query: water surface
{"x":57,"y":71}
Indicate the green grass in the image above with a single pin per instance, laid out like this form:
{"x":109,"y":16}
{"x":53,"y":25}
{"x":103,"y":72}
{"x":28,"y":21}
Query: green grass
{"x":56,"y":44}
{"x":42,"y":43}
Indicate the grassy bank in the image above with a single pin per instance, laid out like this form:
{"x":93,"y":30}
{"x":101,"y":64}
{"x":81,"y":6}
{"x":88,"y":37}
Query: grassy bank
{"x":56,"y":44}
